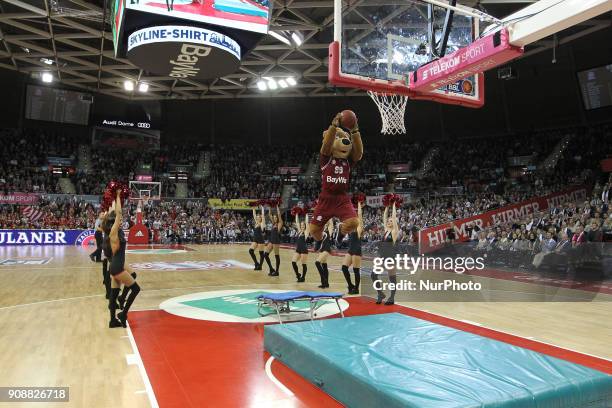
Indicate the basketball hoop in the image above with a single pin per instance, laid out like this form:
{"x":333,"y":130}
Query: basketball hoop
{"x":392,"y":109}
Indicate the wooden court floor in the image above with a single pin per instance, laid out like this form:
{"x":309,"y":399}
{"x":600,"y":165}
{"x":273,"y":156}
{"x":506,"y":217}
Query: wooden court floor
{"x":53,"y":316}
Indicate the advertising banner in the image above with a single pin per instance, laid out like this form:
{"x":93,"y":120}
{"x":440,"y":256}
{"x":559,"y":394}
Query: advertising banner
{"x":399,"y":168}
{"x":433,"y":238}
{"x":249,"y":15}
{"x":233,"y":204}
{"x":19,"y":198}
{"x":289,"y":170}
{"x":84,"y":238}
{"x":183,"y":52}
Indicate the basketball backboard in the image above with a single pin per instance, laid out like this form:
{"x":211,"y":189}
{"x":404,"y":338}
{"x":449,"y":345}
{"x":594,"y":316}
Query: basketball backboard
{"x":379,"y":43}
{"x":145,"y":190}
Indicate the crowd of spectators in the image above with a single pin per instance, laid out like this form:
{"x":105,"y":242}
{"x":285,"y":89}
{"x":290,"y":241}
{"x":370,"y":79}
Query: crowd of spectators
{"x":547,"y":239}
{"x":23,"y":161}
{"x":239,"y":172}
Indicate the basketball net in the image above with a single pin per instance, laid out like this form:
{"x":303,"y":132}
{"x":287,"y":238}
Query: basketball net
{"x":392,"y":109}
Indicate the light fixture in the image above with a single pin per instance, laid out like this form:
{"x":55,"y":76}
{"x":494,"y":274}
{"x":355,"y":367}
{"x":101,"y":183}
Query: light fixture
{"x":128,"y":85}
{"x":272,"y":84}
{"x":46,"y":61}
{"x":143,"y":87}
{"x":291,"y":81}
{"x":279,"y":37}
{"x":283,"y":83}
{"x":47,"y":77}
{"x":262,"y":85}
{"x":297,"y":38}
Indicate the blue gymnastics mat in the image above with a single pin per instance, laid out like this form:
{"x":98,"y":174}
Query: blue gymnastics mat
{"x":393,"y":360}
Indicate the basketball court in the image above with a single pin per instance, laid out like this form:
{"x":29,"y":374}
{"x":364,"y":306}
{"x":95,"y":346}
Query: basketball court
{"x":198,"y":335}
{"x":57,"y":335}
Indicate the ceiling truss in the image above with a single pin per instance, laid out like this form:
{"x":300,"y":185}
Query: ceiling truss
{"x":73,"y":40}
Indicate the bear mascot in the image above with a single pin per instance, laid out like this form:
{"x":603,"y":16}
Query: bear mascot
{"x":341,"y":148}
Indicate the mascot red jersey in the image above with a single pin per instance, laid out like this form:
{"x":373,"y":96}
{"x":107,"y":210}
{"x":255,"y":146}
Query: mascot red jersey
{"x":341,"y":149}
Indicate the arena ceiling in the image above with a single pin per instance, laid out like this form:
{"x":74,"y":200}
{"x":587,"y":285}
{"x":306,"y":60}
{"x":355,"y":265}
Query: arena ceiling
{"x":72,"y":38}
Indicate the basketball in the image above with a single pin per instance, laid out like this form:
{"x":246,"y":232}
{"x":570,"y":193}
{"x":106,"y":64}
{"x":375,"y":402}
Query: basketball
{"x":349,"y":119}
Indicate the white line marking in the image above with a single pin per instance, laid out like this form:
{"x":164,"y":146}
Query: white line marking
{"x":49,"y":301}
{"x":274,"y":379}
{"x":143,"y":372}
{"x":471,"y":322}
{"x":131,"y":359}
{"x":238,"y":263}
{"x":250,"y":286}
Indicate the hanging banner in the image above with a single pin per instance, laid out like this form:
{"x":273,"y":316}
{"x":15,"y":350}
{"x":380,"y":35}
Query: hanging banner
{"x":232,"y":204}
{"x":83,"y":238}
{"x":19,"y":198}
{"x":434,"y":238}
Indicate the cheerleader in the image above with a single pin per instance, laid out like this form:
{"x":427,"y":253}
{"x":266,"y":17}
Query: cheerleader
{"x":324,"y":251}
{"x":388,"y":249}
{"x":301,"y":249}
{"x":274,"y":243}
{"x":353,"y":257}
{"x":258,"y":238}
{"x":118,"y":272}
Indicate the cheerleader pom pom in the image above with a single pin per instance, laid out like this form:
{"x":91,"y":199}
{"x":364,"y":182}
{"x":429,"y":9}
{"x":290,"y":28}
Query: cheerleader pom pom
{"x":398,"y":200}
{"x":388,"y":200}
{"x":358,"y":198}
{"x":113,"y":187}
{"x":274,"y":202}
{"x":253,"y":203}
{"x":297,"y":211}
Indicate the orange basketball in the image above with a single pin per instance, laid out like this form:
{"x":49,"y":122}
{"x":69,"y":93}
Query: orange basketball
{"x":348,"y":120}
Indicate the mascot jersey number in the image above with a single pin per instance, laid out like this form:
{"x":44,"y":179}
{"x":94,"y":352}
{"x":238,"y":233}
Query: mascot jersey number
{"x":341,"y":148}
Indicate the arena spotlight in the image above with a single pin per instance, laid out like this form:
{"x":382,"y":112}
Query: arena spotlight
{"x":128,"y":85}
{"x":291,"y":81}
{"x":262,"y":85}
{"x":272,"y":84}
{"x":47,"y":77}
{"x":297,"y":38}
{"x":46,"y":61}
{"x":143,"y":87}
{"x":280,"y":37}
{"x":283,"y":83}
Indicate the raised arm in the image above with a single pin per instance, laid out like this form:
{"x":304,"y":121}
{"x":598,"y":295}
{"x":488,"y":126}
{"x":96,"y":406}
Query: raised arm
{"x":395,"y":230}
{"x":118,"y":215}
{"x":280,"y":219}
{"x":263,"y":218}
{"x":385,"y":216}
{"x":254,"y":214}
{"x":330,"y":135}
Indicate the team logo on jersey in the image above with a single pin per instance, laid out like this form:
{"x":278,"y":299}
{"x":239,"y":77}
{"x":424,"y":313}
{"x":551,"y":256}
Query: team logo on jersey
{"x":242,"y":306}
{"x":86,"y":239}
